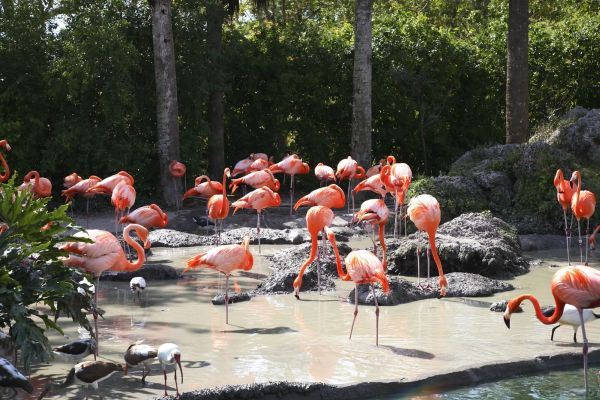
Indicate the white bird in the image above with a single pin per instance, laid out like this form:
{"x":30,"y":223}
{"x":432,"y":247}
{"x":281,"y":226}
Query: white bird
{"x":169,"y":354}
{"x":137,"y":286}
{"x":11,"y":378}
{"x":138,"y":353}
{"x":570,"y":316}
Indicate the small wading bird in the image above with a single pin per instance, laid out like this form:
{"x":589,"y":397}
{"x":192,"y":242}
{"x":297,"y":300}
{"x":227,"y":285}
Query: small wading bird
{"x":41,"y":187}
{"x":258,"y":199}
{"x":218,"y":207}
{"x":76,"y":350}
{"x":137,"y":285}
{"x":292,"y":166}
{"x":71,"y":180}
{"x":424,"y":212}
{"x":103,"y":254}
{"x":363,"y":268}
{"x":149,"y":217}
{"x":579,"y":286}
{"x":225,"y":259}
{"x":90,"y":373}
{"x":11,"y":378}
{"x":583,"y":205}
{"x":106,"y":185}
{"x":349,"y":169}
{"x":564,"y":194}
{"x":570,"y":317}
{"x":6,"y":173}
{"x":376,"y":213}
{"x":397,"y":178}
{"x":139,"y":353}
{"x":324,"y":173}
{"x":169,"y":354}
{"x":256,"y":179}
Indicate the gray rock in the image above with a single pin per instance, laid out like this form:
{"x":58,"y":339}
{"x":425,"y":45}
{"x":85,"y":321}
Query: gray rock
{"x":219,"y":300}
{"x":582,"y":137}
{"x":150,"y":272}
{"x":460,"y":284}
{"x":473,"y":242}
{"x":269,"y":390}
{"x":536,"y":242}
{"x":500,"y":306}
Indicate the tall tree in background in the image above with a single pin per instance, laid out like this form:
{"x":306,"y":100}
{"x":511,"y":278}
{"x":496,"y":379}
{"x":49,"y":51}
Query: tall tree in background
{"x":517,"y":84}
{"x":166,"y":97}
{"x":362,"y":84}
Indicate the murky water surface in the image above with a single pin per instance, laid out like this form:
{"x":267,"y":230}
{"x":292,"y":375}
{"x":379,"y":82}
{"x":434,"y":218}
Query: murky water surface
{"x":280,"y":338}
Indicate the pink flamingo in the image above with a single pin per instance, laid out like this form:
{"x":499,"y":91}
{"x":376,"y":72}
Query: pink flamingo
{"x":592,"y":238}
{"x":204,"y":188}
{"x":349,"y":169}
{"x":149,"y":217}
{"x":258,"y":199}
{"x":71,"y":180}
{"x":578,"y":286}
{"x":81,"y":189}
{"x":375,"y":212}
{"x":105,"y":253}
{"x":241,"y":166}
{"x":292,"y":166}
{"x":583,"y":205}
{"x":41,"y":187}
{"x":177,"y":169}
{"x":331,"y":196}
{"x":424,"y":212}
{"x":324,"y":173}
{"x":373,"y":184}
{"x":4,"y":176}
{"x":107,"y":185}
{"x":256,"y":156}
{"x":258,"y":165}
{"x":256,"y":179}
{"x":564,"y":194}
{"x":376,"y":169}
{"x":218,"y":205}
{"x":122,"y":198}
{"x":225,"y":259}
{"x":363,"y":268}
{"x":397,"y":178}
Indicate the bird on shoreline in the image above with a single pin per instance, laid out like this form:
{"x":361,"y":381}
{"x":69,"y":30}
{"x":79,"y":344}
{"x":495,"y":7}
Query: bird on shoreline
{"x":91,"y":373}
{"x":138,"y":353}
{"x":349,"y":169}
{"x":149,"y":217}
{"x":218,"y":207}
{"x":258,"y":199}
{"x":570,"y":317}
{"x":291,"y":165}
{"x":397,"y":178}
{"x":583,"y":205}
{"x":169,"y":354}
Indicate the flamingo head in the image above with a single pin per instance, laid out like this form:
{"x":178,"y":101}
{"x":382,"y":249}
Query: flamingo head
{"x":4,"y":144}
{"x":143,"y":235}
{"x":126,"y":175}
{"x":511,"y":307}
{"x":575,"y":179}
{"x":276,"y":199}
{"x":391,"y":160}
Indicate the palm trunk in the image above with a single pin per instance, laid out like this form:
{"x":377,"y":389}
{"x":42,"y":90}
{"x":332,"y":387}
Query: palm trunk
{"x":216,"y":137}
{"x":166,"y":97}
{"x":517,"y":93}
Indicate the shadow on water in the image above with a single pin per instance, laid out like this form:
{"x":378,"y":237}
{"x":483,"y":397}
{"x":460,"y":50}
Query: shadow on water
{"x":263,"y":331}
{"x":195,"y":364}
{"x":252,"y":275}
{"x":413,"y":353}
{"x":572,"y":344}
{"x":470,"y":302}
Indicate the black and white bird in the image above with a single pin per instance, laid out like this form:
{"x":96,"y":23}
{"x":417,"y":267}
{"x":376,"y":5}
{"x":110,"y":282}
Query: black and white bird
{"x":11,"y":378}
{"x":137,"y":286}
{"x":570,"y":317}
{"x":90,"y":373}
{"x":169,"y":354}
{"x":77,"y":350}
{"x":140,"y":354}
{"x":202,"y":221}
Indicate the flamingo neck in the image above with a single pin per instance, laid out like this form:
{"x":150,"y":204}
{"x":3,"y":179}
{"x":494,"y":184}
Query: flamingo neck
{"x":578,"y":187}
{"x":383,"y":246}
{"x":224,"y":192}
{"x":552,"y":319}
{"x":338,"y":260}
{"x":4,"y":176}
{"x":434,"y":253}
{"x":141,"y":255}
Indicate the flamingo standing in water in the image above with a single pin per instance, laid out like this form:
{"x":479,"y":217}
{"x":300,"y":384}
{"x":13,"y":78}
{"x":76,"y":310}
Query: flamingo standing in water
{"x":105,"y":253}
{"x":258,"y":199}
{"x":349,"y":169}
{"x":225,"y":259}
{"x":218,"y":206}
{"x":583,"y":205}
{"x":292,"y":166}
{"x":578,"y":286}
{"x":122,"y":198}
{"x":363,"y":268}
{"x":424,"y":212}
{"x":564,"y":194}
{"x":71,"y":180}
{"x":317,"y":219}
{"x":397,"y":178}
{"x":41,"y":187}
{"x":256,"y":179}
{"x":324,"y":173}
{"x":149,"y":217}
{"x":4,"y":176}
{"x":81,"y":189}
{"x":106,"y":185}
{"x":375,"y":212}
{"x":177,"y":169}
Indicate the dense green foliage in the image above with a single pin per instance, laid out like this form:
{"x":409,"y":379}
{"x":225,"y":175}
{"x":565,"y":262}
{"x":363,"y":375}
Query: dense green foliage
{"x":35,"y":286}
{"x":77,"y":91}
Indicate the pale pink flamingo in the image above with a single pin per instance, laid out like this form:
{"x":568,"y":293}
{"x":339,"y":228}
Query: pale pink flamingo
{"x":592,"y":238}
{"x":218,"y":205}
{"x":41,"y":187}
{"x":564,"y":194}
{"x":349,"y":169}
{"x":583,"y":205}
{"x":241,"y":166}
{"x":397,"y":178}
{"x":256,"y":179}
{"x":225,"y":259}
{"x":376,"y":169}
{"x":106,"y":185}
{"x":578,"y":286}
{"x":258,"y":199}
{"x":149,"y":217}
{"x":105,"y":253}
{"x":324,"y":173}
{"x":376,"y":213}
{"x":81,"y":189}
{"x":258,"y":165}
{"x":4,"y":175}
{"x":256,"y":156}
{"x":292,"y":166}
{"x":424,"y":212}
{"x":373,"y":184}
{"x":363,"y":268}
{"x":177,"y":169}
{"x":71,"y":180}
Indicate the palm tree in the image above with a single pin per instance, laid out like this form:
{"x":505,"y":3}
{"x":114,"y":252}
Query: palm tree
{"x":166,"y":97}
{"x":517,"y":90}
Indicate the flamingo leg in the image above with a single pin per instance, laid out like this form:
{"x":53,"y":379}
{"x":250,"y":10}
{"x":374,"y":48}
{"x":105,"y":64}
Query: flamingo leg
{"x":258,"y":229}
{"x":419,"y":259}
{"x":585,"y":349}
{"x":404,"y":209}
{"x":373,"y":239}
{"x":395,"y":215}
{"x":226,"y":301}
{"x":351,"y":192}
{"x":587,"y":236}
{"x":376,"y":316}
{"x":355,"y":309}
{"x":95,"y":314}
{"x":348,"y":196}
{"x":176,"y":386}
{"x":319,"y":267}
{"x":216,"y":230}
{"x":165,"y":373}
{"x":87,"y":212}
{"x":291,"y":195}
{"x":144,"y":374}
{"x":580,"y":243}
{"x":567,"y":236}
{"x":428,"y":267}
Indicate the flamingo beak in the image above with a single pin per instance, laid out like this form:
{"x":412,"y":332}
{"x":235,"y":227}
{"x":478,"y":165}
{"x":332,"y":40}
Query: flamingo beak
{"x":507,"y":322}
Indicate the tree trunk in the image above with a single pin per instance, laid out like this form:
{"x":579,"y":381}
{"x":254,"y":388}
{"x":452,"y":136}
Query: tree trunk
{"x":166,"y":98}
{"x":517,"y":90}
{"x":216,"y":136}
{"x":362,"y":84}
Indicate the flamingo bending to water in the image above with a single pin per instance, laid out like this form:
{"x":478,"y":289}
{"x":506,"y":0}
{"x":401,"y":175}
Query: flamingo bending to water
{"x":331,"y":196}
{"x":373,"y":184}
{"x":397,"y":178}
{"x":579,"y":286}
{"x":375,"y":212}
{"x":41,"y":187}
{"x":241,"y":166}
{"x":258,"y":199}
{"x":583,"y":205}
{"x":256,"y":179}
{"x":149,"y":217}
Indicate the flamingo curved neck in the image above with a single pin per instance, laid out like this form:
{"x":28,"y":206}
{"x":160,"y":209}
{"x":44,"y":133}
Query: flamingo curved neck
{"x":552,"y":319}
{"x":4,"y":176}
{"x":338,"y":260}
{"x":141,"y":255}
{"x":434,"y":253}
{"x":578,"y":187}
{"x":224,"y":192}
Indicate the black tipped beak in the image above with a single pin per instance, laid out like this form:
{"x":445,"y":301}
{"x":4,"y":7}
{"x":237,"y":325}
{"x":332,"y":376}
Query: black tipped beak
{"x":507,"y":322}
{"x":297,"y":296}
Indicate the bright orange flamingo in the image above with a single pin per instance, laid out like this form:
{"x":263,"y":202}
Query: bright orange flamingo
{"x":41,"y":187}
{"x":106,"y":185}
{"x":375,"y":212}
{"x":583,"y":205}
{"x":317,"y":219}
{"x":292,"y":166}
{"x":376,"y":169}
{"x":204,"y":188}
{"x":225,"y":259}
{"x":397,"y":178}
{"x":564,"y":194}
{"x":218,"y":206}
{"x":256,"y":179}
{"x":349,"y":169}
{"x":363,"y":268}
{"x":241,"y":166}
{"x":149,"y":217}
{"x":258,"y":199}
{"x":331,"y":196}
{"x":578,"y":286}
{"x":71,"y":180}
{"x":4,"y":176}
{"x":122,"y":198}
{"x":81,"y":189}
{"x":373,"y":184}
{"x":424,"y":212}
{"x":105,"y":253}
{"x":324,"y":173}
{"x":592,"y":238}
